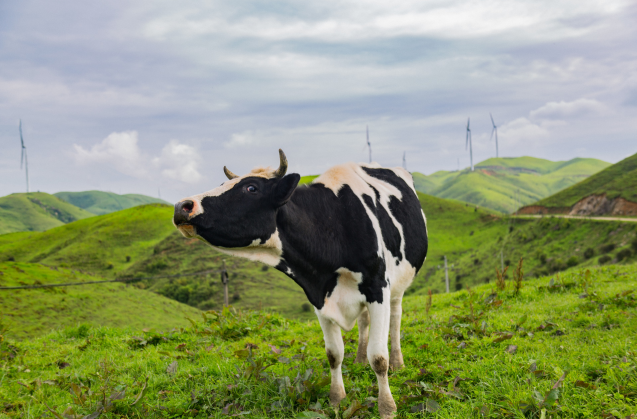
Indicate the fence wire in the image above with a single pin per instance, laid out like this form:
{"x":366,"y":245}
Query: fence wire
{"x":123,"y":280}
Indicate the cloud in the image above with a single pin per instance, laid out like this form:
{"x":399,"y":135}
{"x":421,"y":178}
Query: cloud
{"x":120,"y":150}
{"x":569,"y":110}
{"x":179,"y":162}
{"x":521,"y":130}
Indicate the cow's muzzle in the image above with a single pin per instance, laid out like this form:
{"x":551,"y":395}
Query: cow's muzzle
{"x":184,"y":210}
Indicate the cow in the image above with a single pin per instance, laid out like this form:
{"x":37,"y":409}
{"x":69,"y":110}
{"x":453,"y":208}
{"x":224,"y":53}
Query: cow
{"x":353,"y":240}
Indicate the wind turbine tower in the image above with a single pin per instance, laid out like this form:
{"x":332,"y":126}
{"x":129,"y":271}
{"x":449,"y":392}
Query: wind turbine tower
{"x":494,"y":131}
{"x":369,"y":145}
{"x":23,"y":158}
{"x":469,"y":144}
{"x":405,"y":160}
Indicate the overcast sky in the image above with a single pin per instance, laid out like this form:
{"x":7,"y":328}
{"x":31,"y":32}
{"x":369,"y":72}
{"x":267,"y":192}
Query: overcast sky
{"x":136,"y":96}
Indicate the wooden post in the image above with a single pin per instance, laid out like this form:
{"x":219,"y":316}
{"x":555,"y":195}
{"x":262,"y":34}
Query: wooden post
{"x":446,"y":275}
{"x":224,"y":281}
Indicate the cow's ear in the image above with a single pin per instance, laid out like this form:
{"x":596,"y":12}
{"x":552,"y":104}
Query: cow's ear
{"x":285,"y":188}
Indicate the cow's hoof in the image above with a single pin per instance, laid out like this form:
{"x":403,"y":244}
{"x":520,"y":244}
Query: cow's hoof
{"x":336,"y":395}
{"x":386,"y":407}
{"x":396,"y":362}
{"x":361,"y":359}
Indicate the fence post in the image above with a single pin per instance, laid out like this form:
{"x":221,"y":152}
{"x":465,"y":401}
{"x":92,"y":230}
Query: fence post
{"x":224,"y":281}
{"x":446,"y":275}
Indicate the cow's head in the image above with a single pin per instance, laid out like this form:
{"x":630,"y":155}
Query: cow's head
{"x":242,"y":211}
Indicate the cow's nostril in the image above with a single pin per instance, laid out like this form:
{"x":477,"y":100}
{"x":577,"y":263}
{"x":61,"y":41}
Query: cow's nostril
{"x":188,"y":206}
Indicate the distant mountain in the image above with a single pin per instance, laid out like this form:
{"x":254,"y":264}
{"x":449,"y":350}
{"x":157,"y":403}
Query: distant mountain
{"x":36,"y":211}
{"x":613,"y":191}
{"x":506,"y":183}
{"x":99,"y":202}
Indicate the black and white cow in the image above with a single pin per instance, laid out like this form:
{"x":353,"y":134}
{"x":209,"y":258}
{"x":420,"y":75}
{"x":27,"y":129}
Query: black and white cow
{"x":353,"y":239}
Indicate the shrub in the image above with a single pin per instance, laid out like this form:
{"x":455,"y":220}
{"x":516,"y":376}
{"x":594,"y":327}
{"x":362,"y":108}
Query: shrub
{"x":542,"y":258}
{"x":603,"y":259}
{"x":306,"y":307}
{"x":589,"y":253}
{"x":634,"y":244}
{"x":156,"y":266}
{"x":607,"y":248}
{"x":624,"y":254}
{"x":572,"y":261}
{"x":264,"y":268}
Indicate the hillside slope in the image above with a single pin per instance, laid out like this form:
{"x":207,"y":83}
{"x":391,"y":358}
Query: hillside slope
{"x":36,"y":211}
{"x":566,"y":350}
{"x":33,"y":312}
{"x":613,"y":191}
{"x":100,"y":202}
{"x":503,"y":184}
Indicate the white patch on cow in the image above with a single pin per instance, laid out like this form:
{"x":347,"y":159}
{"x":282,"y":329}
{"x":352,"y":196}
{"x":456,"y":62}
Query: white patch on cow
{"x":345,"y":303}
{"x":289,"y":272}
{"x":268,"y":252}
{"x":263,"y":172}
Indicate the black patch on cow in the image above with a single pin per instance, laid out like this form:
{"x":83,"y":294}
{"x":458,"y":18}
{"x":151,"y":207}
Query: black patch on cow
{"x":322,"y":232}
{"x":408,"y":213}
{"x":391,"y":235}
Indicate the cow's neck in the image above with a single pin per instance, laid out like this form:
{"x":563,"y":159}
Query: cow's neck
{"x":310,"y":251}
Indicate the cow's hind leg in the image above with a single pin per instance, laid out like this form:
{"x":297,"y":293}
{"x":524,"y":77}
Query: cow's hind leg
{"x":396,"y":355}
{"x":335,"y":351}
{"x":363,"y":337}
{"x":378,"y":356}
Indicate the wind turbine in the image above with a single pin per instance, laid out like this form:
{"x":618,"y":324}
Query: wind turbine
{"x":405,"y":160}
{"x":469,"y":144}
{"x":23,"y":158}
{"x":369,"y":145}
{"x":495,"y":130}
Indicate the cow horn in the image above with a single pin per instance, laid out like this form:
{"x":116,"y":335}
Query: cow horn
{"x":229,"y":173}
{"x":283,"y":165}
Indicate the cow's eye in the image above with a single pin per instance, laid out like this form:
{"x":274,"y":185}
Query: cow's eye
{"x":251,"y":188}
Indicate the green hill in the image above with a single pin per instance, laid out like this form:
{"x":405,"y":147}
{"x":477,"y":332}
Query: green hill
{"x":33,"y":312}
{"x":36,"y":211}
{"x":557,"y":348}
{"x":99,"y":202}
{"x":504,"y":184}
{"x":616,"y":181}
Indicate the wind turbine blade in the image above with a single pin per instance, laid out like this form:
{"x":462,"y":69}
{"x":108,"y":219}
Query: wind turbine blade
{"x":22,"y":158}
{"x":492,"y":131}
{"x":492,"y":119}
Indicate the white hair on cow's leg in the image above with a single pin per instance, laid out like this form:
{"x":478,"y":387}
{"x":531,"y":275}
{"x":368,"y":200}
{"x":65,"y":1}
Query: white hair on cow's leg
{"x":363,"y":337}
{"x":396,"y":355}
{"x":378,"y":355}
{"x":335,"y":350}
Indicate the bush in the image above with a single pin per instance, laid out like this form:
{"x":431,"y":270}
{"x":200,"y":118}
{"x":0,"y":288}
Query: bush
{"x":634,"y":244}
{"x":306,"y":307}
{"x":542,"y":258}
{"x":603,"y":259}
{"x":624,"y":254}
{"x":607,"y":248}
{"x":589,"y":253}
{"x":572,"y":261}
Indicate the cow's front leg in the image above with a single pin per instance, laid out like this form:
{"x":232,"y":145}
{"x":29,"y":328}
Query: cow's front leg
{"x":335,"y":351}
{"x":363,"y":337}
{"x":378,"y":356}
{"x":396,"y":355}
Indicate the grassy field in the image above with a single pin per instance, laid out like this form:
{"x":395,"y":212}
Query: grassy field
{"x":504,"y":184}
{"x":548,"y":245}
{"x":558,"y":347}
{"x":618,"y":180}
{"x":34,"y":312}
{"x":36,"y":211}
{"x":100,"y":202}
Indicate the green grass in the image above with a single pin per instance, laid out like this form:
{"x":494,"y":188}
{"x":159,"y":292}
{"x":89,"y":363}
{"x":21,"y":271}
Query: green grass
{"x":548,"y":245}
{"x":100,"y":202}
{"x":618,"y":180}
{"x":495,"y":182}
{"x":307,"y":179}
{"x":36,"y":211}
{"x":34,"y":312}
{"x":487,"y":353}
